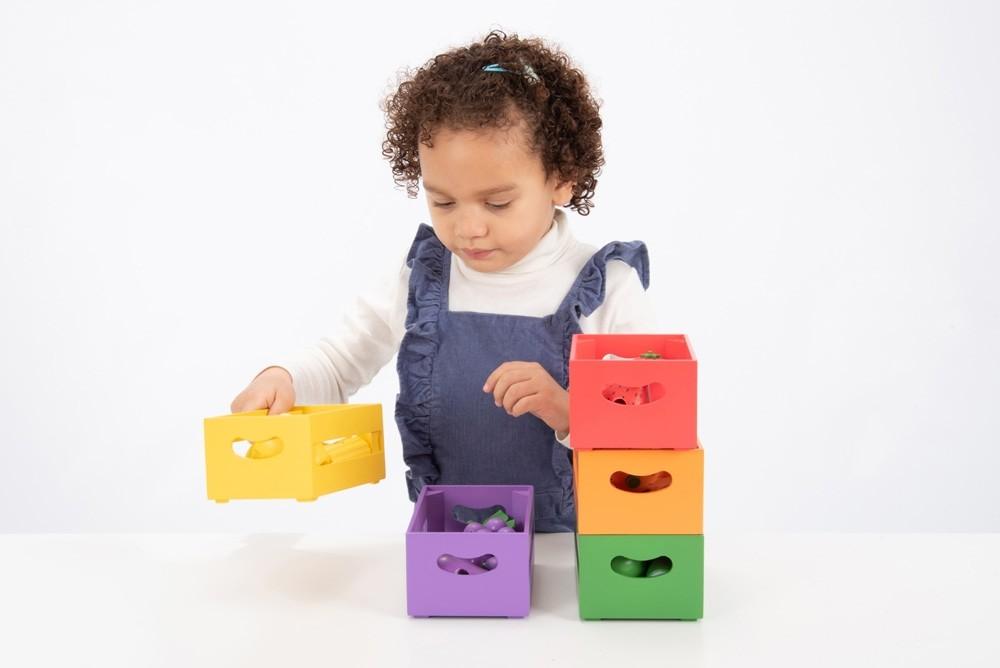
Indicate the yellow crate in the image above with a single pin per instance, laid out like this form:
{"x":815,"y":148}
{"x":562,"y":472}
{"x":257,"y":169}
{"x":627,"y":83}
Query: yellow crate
{"x":302,"y":454}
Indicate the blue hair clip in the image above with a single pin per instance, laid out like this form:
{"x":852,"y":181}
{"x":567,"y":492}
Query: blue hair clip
{"x":529,"y":73}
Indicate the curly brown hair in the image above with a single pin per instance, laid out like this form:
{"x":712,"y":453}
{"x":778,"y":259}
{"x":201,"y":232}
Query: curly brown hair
{"x":541,"y":88}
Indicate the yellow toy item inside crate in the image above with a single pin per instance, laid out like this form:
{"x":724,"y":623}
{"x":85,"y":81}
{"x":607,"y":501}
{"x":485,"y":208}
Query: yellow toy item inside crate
{"x":302,"y":454}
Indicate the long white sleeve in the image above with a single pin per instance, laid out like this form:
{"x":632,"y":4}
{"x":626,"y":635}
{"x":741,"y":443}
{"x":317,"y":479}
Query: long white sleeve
{"x":369,"y":333}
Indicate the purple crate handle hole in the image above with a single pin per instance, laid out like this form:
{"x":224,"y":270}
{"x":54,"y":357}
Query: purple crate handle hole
{"x":467,"y":565}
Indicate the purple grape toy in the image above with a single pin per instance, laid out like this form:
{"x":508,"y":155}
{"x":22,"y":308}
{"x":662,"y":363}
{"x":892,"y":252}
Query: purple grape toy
{"x":459,"y":566}
{"x":472,"y":526}
{"x":494,"y":523}
{"x":505,"y":529}
{"x":487,"y":561}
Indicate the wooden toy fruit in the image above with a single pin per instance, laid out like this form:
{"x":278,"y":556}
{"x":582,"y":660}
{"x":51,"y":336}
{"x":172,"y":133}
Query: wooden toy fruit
{"x":659,"y":566}
{"x":487,"y":561}
{"x":465,"y":514}
{"x":629,"y":482}
{"x":461,"y":566}
{"x":503,"y":517}
{"x":264,"y":449}
{"x":494,"y":523}
{"x":628,"y":567}
{"x":458,"y":565}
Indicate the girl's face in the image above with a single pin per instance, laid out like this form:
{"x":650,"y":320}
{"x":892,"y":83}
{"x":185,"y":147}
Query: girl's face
{"x":489,"y":200}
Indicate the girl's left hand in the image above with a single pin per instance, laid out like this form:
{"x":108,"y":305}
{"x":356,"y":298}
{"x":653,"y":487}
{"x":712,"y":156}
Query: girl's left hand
{"x":526,"y":387}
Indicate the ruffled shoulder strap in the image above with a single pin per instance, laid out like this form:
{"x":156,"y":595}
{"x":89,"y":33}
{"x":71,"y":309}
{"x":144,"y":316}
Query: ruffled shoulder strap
{"x":587,"y":292}
{"x":425,"y":259}
{"x":424,"y":239}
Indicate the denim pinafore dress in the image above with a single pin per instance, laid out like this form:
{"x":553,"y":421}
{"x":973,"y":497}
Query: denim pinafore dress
{"x":451,"y":431}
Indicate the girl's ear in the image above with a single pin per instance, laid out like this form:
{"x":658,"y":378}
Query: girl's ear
{"x":563,"y":193}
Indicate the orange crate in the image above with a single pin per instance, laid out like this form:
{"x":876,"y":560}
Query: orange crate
{"x":639,"y":491}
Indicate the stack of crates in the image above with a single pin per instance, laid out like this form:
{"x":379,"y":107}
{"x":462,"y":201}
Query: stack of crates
{"x":639,"y":472}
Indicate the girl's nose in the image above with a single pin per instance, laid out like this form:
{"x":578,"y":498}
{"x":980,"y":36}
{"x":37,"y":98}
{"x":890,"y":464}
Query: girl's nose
{"x":471,"y":227}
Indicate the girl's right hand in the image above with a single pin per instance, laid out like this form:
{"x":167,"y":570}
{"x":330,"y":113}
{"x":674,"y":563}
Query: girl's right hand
{"x":271,"y":389}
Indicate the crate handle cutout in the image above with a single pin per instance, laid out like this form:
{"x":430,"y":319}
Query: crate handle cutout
{"x":340,"y":450}
{"x":636,"y":568}
{"x":633,"y":395}
{"x":640,"y":484}
{"x":264,"y":449}
{"x":467,"y":566}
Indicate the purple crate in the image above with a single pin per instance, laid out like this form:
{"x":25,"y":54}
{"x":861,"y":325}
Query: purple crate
{"x":504,"y":591}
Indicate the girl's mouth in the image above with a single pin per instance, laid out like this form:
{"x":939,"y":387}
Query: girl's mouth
{"x":476,"y":254}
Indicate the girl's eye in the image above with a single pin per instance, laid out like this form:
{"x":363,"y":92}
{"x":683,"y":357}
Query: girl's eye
{"x":445,"y":205}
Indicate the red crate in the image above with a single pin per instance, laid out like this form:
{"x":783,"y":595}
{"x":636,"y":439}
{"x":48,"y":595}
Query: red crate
{"x":632,"y":403}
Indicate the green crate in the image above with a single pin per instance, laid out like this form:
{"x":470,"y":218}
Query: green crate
{"x":606,"y":594}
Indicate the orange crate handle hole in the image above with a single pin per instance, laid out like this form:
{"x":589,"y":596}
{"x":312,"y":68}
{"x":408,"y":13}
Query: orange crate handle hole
{"x":640,"y":484}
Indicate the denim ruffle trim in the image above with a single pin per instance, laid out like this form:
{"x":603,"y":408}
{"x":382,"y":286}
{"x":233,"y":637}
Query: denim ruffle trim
{"x":415,"y":359}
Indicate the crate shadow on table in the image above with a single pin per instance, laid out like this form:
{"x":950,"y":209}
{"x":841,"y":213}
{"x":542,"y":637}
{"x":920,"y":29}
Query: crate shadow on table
{"x":275,"y":567}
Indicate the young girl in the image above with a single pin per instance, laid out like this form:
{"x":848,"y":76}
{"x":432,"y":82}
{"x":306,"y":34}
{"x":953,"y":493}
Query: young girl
{"x":483,"y":308}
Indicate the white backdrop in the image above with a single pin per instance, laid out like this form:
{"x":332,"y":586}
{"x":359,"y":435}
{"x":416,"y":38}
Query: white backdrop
{"x":189,"y":189}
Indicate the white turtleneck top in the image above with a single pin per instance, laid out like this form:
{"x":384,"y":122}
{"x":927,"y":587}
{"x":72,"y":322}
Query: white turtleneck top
{"x":369,"y":334}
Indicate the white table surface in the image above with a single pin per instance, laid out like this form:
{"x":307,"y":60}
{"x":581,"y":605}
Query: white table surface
{"x":298,"y":600}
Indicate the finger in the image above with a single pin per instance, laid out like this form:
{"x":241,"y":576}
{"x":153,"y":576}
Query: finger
{"x":249,"y":402}
{"x":494,"y":375}
{"x":283,"y":402}
{"x":499,"y":371}
{"x":505,"y":382}
{"x":516,"y":391}
{"x":239,"y":404}
{"x":525,"y":404}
